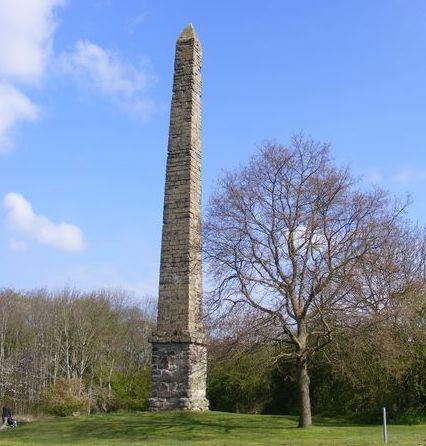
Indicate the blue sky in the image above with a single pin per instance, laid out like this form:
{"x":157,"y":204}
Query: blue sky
{"x":85,"y":90}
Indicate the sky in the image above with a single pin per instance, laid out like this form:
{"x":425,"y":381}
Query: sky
{"x":85,"y":90}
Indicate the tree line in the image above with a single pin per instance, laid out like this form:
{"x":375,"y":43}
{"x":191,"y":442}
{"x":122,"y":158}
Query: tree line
{"x":70,"y":351}
{"x":316,"y":300}
{"x":363,"y":370}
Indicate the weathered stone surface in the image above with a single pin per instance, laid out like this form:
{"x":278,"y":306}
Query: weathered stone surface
{"x":179,"y":358}
{"x":178,"y":376}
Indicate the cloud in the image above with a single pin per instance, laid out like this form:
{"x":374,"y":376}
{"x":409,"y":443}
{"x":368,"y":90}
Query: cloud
{"x":23,"y":220}
{"x":26,"y":32}
{"x":18,"y":245}
{"x":409,"y":175}
{"x":14,"y":107}
{"x":374,"y":178}
{"x":101,"y":69}
{"x":135,"y":21}
{"x":403,"y":176}
{"x":112,"y":276}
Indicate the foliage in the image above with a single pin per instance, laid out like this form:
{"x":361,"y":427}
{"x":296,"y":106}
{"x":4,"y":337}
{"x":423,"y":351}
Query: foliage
{"x":363,"y":371}
{"x":102,"y":399}
{"x":47,"y":337}
{"x":240,"y":384}
{"x":132,"y":390}
{"x":65,"y":397}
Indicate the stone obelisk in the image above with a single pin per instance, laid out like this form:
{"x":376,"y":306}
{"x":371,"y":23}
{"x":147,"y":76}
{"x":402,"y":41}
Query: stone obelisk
{"x":179,"y":358}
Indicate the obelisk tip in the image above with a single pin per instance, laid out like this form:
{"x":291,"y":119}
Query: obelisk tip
{"x":188,"y":33}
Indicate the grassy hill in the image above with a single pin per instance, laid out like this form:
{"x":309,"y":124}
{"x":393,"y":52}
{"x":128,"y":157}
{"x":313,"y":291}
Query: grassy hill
{"x":209,"y":429}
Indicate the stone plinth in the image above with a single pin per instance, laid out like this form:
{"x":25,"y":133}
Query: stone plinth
{"x":179,"y":376}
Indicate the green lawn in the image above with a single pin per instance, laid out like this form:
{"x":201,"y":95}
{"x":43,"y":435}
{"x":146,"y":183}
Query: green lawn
{"x":211,"y":428}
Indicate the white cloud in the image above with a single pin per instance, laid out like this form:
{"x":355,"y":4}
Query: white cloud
{"x":113,"y":277}
{"x":402,"y":176}
{"x":26,"y":32}
{"x":374,"y":178}
{"x":18,"y":245}
{"x":409,"y":175}
{"x":103,"y":70}
{"x":14,"y":107}
{"x":135,"y":21}
{"x":22,"y":220}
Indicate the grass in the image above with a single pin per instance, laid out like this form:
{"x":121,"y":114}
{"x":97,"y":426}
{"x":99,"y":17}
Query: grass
{"x":203,"y":429}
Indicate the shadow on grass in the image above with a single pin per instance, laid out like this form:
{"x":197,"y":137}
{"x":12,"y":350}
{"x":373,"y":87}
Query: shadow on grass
{"x":175,"y":425}
{"x":168,"y":428}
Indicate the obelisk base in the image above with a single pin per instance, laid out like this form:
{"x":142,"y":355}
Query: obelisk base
{"x":179,"y":372}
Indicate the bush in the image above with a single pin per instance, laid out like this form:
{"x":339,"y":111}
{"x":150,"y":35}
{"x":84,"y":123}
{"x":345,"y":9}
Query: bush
{"x":103,"y":399}
{"x":240,"y":384}
{"x":411,"y":416}
{"x":132,"y":391}
{"x":65,"y":397}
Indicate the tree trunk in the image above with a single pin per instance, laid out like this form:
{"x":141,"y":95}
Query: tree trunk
{"x":305,"y":416}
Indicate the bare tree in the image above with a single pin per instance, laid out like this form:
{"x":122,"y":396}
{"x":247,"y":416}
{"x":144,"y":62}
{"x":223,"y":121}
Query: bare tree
{"x":291,"y":236}
{"x":71,"y":336}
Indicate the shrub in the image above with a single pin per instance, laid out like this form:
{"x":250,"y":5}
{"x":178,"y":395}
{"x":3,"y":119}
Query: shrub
{"x":103,"y":399}
{"x":132,"y":390}
{"x":66,"y":397}
{"x":240,"y":384}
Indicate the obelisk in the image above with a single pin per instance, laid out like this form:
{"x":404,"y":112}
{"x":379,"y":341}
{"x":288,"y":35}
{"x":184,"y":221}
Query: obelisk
{"x":179,"y":358}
